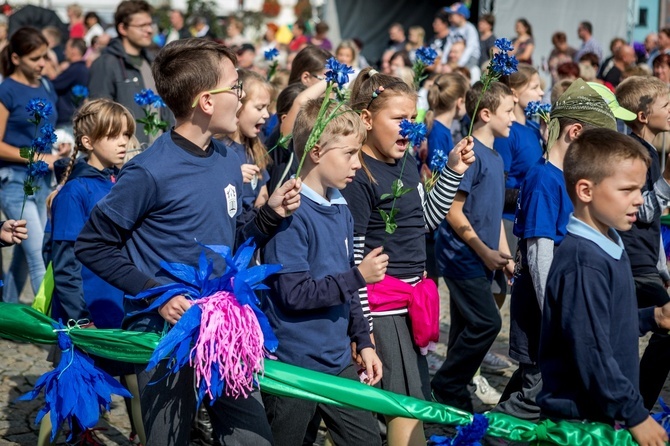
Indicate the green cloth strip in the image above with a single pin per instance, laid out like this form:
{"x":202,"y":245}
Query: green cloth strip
{"x":24,"y":324}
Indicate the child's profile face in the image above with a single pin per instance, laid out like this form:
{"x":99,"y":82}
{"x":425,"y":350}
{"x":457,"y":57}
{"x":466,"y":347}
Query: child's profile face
{"x":501,"y":121}
{"x":616,"y":199}
{"x":384,"y":135}
{"x":532,"y":91}
{"x":255,"y":111}
{"x":225,"y":104}
{"x":659,"y":114}
{"x":338,"y":160}
{"x":111,"y":150}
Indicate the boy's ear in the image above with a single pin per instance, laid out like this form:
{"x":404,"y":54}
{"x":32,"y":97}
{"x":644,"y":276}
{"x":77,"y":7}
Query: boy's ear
{"x":574,"y":130}
{"x":315,"y":154}
{"x":584,"y":190}
{"x":485,"y":115}
{"x":642,"y":117}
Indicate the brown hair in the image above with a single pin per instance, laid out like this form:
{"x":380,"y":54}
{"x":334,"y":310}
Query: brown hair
{"x":98,"y":119}
{"x":520,"y":78}
{"x":591,"y":58}
{"x":568,"y":69}
{"x":185,"y":68}
{"x":253,"y":82}
{"x":443,"y":94}
{"x":372,"y":89}
{"x":311,"y":59}
{"x":490,"y":99}
{"x":346,"y":122}
{"x":638,"y":93}
{"x":559,"y":37}
{"x":127,"y":8}
{"x":489,"y":18}
{"x":594,"y":156}
{"x":23,"y":42}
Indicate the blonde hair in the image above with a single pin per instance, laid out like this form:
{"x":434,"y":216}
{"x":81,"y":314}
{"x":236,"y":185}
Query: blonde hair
{"x":638,"y":93}
{"x":252,"y":82}
{"x":98,"y":119}
{"x":350,"y":45}
{"x":133,"y":148}
{"x":346,"y":122}
{"x":405,"y":74}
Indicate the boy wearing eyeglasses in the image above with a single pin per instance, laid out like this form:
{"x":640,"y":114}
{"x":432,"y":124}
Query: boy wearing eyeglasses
{"x":185,"y":188}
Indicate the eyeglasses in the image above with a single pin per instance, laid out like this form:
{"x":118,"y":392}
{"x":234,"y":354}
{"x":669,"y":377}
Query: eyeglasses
{"x":316,"y":76}
{"x":237,"y":88}
{"x":142,"y":25}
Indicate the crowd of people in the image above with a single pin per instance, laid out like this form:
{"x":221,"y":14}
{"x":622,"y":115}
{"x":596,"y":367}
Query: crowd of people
{"x":562,"y":212}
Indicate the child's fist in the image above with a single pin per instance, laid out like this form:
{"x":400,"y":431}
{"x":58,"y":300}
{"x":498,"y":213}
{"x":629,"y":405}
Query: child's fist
{"x":286,"y":199}
{"x":373,"y":267}
{"x":13,"y":232}
{"x":174,"y":309}
{"x":462,"y":155}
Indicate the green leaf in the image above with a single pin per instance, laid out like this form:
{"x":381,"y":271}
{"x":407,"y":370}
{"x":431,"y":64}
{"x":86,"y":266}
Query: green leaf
{"x":391,"y":227}
{"x":402,"y":192}
{"x":385,"y":196}
{"x":26,"y":152}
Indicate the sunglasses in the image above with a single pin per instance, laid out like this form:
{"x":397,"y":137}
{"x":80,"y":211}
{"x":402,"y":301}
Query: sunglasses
{"x":237,"y":89}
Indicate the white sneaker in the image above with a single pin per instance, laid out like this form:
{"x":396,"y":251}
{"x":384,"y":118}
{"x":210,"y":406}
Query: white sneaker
{"x":487,"y":394}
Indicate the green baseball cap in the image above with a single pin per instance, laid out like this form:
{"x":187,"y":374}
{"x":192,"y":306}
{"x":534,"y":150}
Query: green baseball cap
{"x":609,"y":97}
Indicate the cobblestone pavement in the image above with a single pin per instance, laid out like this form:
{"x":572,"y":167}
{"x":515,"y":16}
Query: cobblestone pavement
{"x":22,"y":364}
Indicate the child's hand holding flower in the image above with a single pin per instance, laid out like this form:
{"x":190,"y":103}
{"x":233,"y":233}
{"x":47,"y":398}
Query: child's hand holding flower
{"x":462,"y":155}
{"x":373,"y":367}
{"x":286,"y":199}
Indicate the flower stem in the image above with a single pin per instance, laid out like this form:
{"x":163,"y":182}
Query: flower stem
{"x":395,"y":197}
{"x":318,"y":128}
{"x":23,"y":206}
{"x":487,"y":83}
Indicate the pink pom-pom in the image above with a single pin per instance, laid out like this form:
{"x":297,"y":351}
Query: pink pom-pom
{"x":231,"y":338}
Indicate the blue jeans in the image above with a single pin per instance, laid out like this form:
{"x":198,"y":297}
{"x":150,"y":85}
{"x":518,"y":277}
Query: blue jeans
{"x":29,"y":253}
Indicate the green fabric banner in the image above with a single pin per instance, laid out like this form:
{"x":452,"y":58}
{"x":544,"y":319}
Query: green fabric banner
{"x":21,"y":323}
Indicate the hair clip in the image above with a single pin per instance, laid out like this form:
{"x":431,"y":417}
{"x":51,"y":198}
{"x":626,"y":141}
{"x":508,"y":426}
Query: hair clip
{"x":375,"y":94}
{"x":372,"y":72}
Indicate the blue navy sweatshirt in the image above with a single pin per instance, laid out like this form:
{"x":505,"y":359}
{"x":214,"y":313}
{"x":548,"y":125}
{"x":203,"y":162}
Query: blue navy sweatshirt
{"x":313,"y":299}
{"x":589,"y":343}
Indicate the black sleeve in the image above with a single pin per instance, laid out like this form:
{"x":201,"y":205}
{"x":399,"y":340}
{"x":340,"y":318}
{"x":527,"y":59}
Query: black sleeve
{"x":259,"y":223}
{"x":99,"y":248}
{"x":511,"y":198}
{"x":300,"y":292}
{"x":68,"y":281}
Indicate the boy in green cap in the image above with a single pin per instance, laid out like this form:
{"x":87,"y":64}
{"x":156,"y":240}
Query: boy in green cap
{"x":542,"y":214}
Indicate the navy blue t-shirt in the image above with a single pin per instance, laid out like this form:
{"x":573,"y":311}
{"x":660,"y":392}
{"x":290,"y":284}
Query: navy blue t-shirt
{"x":250,"y":190}
{"x":589,"y":344}
{"x":520,"y":151}
{"x":543,"y":211}
{"x":484,"y":184}
{"x":15,"y":96}
{"x":439,"y":138}
{"x":171,"y":200}
{"x":317,"y":239}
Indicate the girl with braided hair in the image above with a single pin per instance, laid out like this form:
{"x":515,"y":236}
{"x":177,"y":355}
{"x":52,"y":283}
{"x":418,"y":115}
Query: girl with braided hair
{"x":102,"y":130}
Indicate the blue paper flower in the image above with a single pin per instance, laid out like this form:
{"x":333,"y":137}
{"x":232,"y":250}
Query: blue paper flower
{"x":438,"y":160}
{"x":504,"y":44}
{"x":468,"y":435}
{"x":504,"y":64}
{"x":39,"y":108}
{"x":414,"y":131}
{"x":271,"y":54}
{"x":148,"y":97}
{"x":38,"y":169}
{"x":532,"y":109}
{"x":338,"y":72}
{"x":80,"y":91}
{"x":663,"y":417}
{"x":426,"y":55}
{"x":75,"y":390}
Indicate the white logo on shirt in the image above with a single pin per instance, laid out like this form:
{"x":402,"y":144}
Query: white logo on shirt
{"x":346,"y":245}
{"x":231,"y":200}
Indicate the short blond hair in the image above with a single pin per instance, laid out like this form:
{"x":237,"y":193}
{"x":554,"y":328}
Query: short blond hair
{"x":347,"y":122}
{"x":638,"y":93}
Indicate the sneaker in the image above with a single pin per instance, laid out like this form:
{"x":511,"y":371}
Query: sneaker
{"x":487,"y":394}
{"x":494,"y":363}
{"x":434,"y":361}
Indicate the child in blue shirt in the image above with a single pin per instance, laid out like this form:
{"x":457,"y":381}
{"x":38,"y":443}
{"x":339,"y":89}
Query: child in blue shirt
{"x":185,"y":187}
{"x":590,"y":324}
{"x":245,"y":141}
{"x":541,"y":219}
{"x":313,"y":304}
{"x":471,"y":244}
